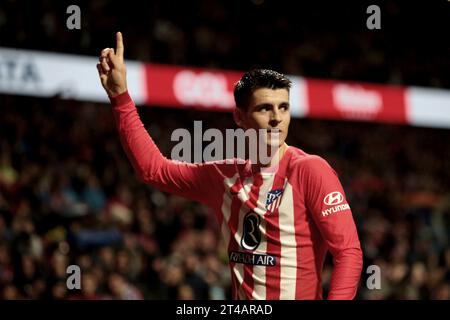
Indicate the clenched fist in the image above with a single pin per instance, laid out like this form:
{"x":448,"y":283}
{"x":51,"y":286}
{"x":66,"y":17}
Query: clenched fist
{"x":111,"y":69}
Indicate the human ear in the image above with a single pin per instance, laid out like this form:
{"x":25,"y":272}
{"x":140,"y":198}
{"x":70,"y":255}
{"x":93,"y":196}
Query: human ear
{"x":237,"y":116}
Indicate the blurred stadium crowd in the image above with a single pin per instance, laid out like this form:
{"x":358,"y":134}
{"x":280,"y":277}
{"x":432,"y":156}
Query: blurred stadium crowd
{"x":68,"y":194}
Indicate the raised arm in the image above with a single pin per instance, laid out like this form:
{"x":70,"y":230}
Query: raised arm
{"x":193,"y":181}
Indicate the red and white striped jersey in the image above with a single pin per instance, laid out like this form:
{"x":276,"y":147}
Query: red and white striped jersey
{"x":278,"y":223}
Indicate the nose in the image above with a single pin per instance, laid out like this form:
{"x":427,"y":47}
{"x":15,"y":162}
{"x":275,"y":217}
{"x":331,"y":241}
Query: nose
{"x":275,"y":117}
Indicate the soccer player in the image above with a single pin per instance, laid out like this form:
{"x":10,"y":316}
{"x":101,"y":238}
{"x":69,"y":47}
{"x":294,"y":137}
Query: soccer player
{"x":278,"y":224}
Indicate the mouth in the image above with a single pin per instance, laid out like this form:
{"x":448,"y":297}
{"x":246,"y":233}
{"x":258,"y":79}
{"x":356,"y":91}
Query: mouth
{"x":273,"y":136}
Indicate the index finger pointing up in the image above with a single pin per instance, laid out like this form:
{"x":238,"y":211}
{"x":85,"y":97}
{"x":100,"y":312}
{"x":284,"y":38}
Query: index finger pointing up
{"x":119,"y":45}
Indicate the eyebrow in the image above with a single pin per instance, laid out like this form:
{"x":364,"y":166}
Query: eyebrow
{"x":262,"y":105}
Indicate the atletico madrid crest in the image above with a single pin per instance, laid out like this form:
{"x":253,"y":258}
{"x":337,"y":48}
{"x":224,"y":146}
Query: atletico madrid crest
{"x":274,"y":199}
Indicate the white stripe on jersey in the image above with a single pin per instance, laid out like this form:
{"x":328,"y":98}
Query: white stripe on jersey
{"x":288,"y":261}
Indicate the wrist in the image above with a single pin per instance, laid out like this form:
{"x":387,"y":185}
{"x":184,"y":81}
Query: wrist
{"x":120,"y":98}
{"x":115,"y":93}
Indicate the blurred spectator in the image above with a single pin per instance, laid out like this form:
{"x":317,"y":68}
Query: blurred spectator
{"x":68,"y":195}
{"x":135,"y":242}
{"x":89,"y":288}
{"x":123,"y":290}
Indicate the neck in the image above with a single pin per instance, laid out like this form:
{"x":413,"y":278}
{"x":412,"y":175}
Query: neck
{"x":275,"y":158}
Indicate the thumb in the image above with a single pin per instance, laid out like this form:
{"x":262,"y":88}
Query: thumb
{"x":114,"y":59}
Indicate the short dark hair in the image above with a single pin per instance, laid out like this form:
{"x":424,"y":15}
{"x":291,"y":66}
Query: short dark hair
{"x":256,"y":79}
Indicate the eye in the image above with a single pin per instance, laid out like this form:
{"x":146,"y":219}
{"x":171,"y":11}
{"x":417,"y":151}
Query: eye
{"x":284,"y":107}
{"x":264,"y":108}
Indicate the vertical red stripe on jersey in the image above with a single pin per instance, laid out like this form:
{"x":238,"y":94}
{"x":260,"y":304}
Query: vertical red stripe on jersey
{"x":298,"y":217}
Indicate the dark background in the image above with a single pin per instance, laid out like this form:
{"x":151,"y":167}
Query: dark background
{"x":68,"y":194}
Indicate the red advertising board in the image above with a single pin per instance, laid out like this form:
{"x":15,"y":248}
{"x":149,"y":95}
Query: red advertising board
{"x":355,"y":101}
{"x":190,"y":87}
